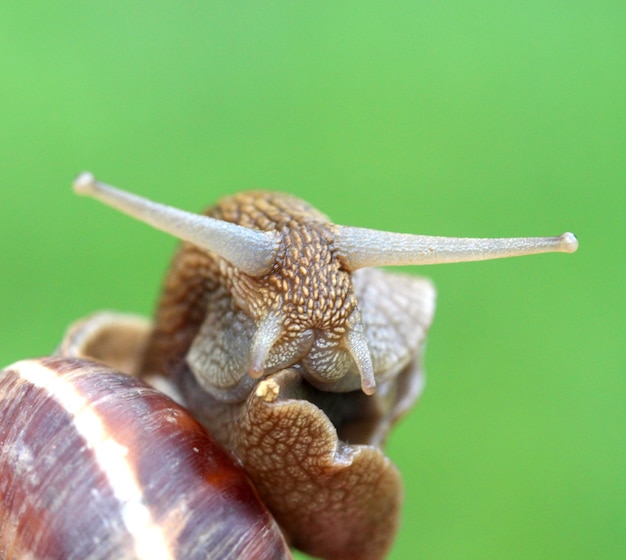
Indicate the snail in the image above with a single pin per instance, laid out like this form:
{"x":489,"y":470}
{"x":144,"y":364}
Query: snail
{"x":278,"y":333}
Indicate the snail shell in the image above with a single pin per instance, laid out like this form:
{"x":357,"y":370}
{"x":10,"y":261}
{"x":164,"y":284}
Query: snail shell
{"x":97,"y":465}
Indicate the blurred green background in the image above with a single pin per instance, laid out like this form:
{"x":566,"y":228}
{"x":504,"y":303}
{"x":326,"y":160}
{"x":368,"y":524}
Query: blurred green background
{"x":444,"y":118}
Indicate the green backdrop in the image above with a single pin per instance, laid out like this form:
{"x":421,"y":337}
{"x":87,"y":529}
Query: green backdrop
{"x":445,"y":118}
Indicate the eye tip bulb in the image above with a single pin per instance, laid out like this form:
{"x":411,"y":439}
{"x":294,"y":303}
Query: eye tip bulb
{"x":368,"y":388}
{"x":84,"y":183}
{"x":256,"y":372}
{"x":569,"y":242}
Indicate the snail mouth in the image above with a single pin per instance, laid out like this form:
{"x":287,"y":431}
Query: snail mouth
{"x":354,"y":415}
{"x":357,"y":418}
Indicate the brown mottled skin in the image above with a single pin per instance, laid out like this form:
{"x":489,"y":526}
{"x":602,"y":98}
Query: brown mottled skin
{"x":307,"y":281}
{"x":337,"y":501}
{"x":335,"y":498}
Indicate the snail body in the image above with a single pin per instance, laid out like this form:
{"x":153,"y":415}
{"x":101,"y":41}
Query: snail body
{"x":298,"y":356}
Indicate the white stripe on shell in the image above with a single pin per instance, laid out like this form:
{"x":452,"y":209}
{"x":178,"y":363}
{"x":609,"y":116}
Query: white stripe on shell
{"x":149,"y":540}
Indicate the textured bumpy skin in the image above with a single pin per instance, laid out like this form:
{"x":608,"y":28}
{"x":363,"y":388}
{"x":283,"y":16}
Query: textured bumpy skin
{"x":306,"y":291}
{"x":339,"y":501}
{"x":311,"y":309}
{"x":210,"y":312}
